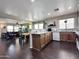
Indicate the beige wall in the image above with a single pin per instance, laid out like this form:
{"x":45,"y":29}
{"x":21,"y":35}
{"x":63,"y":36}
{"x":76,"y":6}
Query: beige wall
{"x":1,"y":27}
{"x":5,"y":22}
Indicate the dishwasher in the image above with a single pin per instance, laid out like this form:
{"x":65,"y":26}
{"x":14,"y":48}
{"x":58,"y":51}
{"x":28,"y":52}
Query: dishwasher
{"x":56,"y":36}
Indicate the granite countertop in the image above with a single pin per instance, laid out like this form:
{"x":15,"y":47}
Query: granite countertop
{"x":39,"y":33}
{"x":50,"y":31}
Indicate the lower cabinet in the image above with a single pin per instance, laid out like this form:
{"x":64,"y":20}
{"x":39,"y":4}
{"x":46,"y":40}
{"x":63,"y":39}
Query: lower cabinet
{"x":41,"y":40}
{"x":67,"y":36}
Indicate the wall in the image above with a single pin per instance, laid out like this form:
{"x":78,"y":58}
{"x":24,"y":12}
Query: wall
{"x":36,"y":23}
{"x":5,"y":22}
{"x":1,"y":27}
{"x":73,"y":15}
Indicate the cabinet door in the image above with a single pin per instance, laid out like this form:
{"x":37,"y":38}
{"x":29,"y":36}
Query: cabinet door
{"x":63,"y":36}
{"x":42,"y":40}
{"x":71,"y":37}
{"x":50,"y":36}
{"x":36,"y":41}
{"x":46,"y":38}
{"x":67,"y":36}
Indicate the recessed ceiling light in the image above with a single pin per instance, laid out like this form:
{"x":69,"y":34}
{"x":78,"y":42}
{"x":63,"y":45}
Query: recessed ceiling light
{"x":69,"y":7}
{"x":32,"y":0}
{"x":48,"y":13}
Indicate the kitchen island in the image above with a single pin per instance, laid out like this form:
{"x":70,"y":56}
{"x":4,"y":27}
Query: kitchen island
{"x":40,"y":40}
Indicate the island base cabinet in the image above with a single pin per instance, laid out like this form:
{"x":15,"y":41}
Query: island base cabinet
{"x":36,"y":41}
{"x":48,"y":37}
{"x":41,"y":40}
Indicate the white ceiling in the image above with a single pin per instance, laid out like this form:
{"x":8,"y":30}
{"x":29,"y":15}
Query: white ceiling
{"x":37,"y":10}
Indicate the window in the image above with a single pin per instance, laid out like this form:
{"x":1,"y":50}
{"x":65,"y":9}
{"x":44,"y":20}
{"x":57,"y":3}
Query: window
{"x":10,"y":28}
{"x":68,"y":25}
{"x":30,"y":26}
{"x":16,"y":28}
{"x":41,"y":26}
{"x":35,"y":26}
{"x":38,"y":26}
{"x":61,"y":24}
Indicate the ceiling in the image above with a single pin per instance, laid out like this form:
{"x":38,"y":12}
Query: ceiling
{"x":36,"y":9}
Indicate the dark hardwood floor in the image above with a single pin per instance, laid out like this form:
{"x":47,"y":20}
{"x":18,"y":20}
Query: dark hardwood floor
{"x":55,"y":50}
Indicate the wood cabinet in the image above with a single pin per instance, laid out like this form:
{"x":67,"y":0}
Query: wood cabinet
{"x":40,"y":40}
{"x":67,"y":36}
